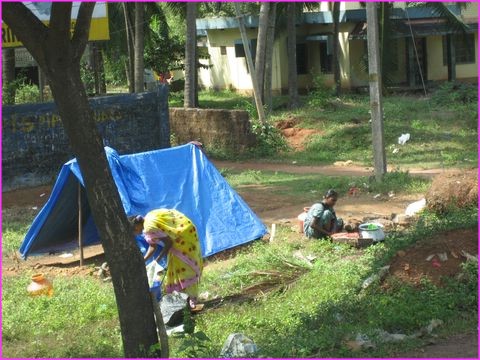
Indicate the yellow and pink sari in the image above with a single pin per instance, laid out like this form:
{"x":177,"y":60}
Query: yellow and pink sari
{"x":184,"y":261}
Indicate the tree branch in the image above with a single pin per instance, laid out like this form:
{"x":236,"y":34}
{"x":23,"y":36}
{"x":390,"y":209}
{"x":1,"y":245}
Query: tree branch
{"x":28,"y":29}
{"x":82,"y":29}
{"x":60,"y":18}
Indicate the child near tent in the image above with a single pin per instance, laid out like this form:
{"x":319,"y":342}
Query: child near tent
{"x":181,"y":245}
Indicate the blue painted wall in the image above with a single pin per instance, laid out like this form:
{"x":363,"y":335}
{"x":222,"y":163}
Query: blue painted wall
{"x":34,"y":144}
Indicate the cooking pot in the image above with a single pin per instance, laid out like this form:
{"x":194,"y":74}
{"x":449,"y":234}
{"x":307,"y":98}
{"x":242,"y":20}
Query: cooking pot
{"x":372,"y":231}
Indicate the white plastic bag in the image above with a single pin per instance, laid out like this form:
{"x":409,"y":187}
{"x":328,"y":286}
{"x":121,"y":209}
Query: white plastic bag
{"x":152,"y":272}
{"x":404,"y":138}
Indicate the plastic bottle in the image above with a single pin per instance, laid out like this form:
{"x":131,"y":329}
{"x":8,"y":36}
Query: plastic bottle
{"x":40,"y":286}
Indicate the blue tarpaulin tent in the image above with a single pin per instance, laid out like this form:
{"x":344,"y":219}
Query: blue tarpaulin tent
{"x":180,"y":178}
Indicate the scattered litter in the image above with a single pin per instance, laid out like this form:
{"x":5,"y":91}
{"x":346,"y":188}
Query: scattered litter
{"x":377,"y":196}
{"x":42,"y":195}
{"x":238,"y":345}
{"x":35,"y":208}
{"x":403,"y":139}
{"x":415,"y":207}
{"x":107,"y":279}
{"x":66,"y":255}
{"x":204,"y":296}
{"x":430,"y":257}
{"x":436,"y":264}
{"x":378,"y":276}
{"x":454,"y":254}
{"x":385,"y":336}
{"x":174,"y":330}
{"x":391,"y":194}
{"x":353,"y":191}
{"x":469,"y":256}
{"x":396,"y":150}
{"x":294,"y":162}
{"x":406,"y":267}
{"x":343,"y":163}
{"x":434,"y":323}
{"x":307,"y":259}
{"x":361,"y":342}
{"x":443,"y":256}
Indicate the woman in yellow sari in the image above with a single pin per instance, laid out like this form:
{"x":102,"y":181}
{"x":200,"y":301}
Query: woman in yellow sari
{"x":181,"y":244}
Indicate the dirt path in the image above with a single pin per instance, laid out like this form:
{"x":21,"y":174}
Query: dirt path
{"x":457,"y":346}
{"x":327,"y":170}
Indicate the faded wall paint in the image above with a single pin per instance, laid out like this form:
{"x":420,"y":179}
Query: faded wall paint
{"x":35,"y":146}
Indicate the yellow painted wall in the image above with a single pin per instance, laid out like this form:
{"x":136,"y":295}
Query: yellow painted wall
{"x":471,"y":11}
{"x":228,"y":71}
{"x":438,"y":71}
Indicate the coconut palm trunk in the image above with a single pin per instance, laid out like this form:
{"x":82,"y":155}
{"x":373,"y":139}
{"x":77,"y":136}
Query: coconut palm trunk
{"x":292,"y":56}
{"x":269,"y":56}
{"x":261,"y":46}
{"x":190,"y":56}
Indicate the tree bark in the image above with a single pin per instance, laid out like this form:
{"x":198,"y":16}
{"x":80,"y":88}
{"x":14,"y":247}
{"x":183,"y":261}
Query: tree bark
{"x":375,"y":80}
{"x":451,"y":60}
{"x":8,"y":74}
{"x":269,"y":56}
{"x":59,"y":56}
{"x":190,"y":56}
{"x":139,"y":47}
{"x":292,"y":56}
{"x":261,"y":46}
{"x":102,"y":86}
{"x":336,"y":45}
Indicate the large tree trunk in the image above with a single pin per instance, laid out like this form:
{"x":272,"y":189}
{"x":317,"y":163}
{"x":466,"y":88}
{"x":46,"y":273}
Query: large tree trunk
{"x":292,"y":56}
{"x":336,"y":45}
{"x":131,"y":57}
{"x":269,"y":56}
{"x":261,"y":46}
{"x":8,"y":74}
{"x":139,"y":47}
{"x":59,"y":56}
{"x":190,"y":56}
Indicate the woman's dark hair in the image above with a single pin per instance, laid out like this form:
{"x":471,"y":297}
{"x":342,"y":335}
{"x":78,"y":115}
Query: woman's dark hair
{"x":331,"y":193}
{"x":136,"y":219}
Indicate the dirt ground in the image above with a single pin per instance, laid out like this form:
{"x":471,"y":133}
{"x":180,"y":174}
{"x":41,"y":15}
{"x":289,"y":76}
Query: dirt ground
{"x":409,"y":265}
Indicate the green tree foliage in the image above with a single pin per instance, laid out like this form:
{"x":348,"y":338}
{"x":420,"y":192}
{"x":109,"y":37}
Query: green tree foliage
{"x":162,"y":51}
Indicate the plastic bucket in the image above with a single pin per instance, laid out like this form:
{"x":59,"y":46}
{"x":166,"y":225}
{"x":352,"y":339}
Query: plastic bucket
{"x":301,"y":219}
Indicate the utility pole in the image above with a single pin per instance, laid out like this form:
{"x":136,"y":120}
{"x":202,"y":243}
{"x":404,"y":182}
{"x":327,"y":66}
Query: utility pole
{"x":375,"y":82}
{"x":256,"y":91}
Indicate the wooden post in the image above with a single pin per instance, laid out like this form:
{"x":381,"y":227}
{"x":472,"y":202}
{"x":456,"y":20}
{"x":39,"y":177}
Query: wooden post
{"x":251,"y":68}
{"x":375,"y":81}
{"x":80,"y":243}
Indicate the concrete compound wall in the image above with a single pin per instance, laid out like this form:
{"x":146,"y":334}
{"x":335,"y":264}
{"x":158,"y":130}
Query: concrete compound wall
{"x":35,"y":146}
{"x":226,"y":129}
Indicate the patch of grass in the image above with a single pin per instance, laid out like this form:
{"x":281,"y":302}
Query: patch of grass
{"x":79,"y":320}
{"x":308,"y":185}
{"x":325,"y":306}
{"x":15,"y":224}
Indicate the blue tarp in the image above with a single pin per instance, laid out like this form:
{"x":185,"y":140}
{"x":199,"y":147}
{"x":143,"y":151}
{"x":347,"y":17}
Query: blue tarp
{"x":179,"y":178}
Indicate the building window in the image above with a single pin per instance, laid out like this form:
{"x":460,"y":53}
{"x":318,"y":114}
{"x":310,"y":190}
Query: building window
{"x":326,"y":57}
{"x":464,"y":49}
{"x":302,"y":59}
{"x":223,"y":50}
{"x":240,"y":51}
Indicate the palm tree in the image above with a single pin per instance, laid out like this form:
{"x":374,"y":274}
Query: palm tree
{"x":190,"y":56}
{"x":336,"y":59}
{"x":139,"y":47}
{"x":292,"y":56}
{"x":267,"y":90}
{"x":261,"y":46}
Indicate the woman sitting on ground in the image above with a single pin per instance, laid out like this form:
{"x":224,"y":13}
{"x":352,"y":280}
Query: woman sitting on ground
{"x":321,"y":220}
{"x":180,"y":242}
